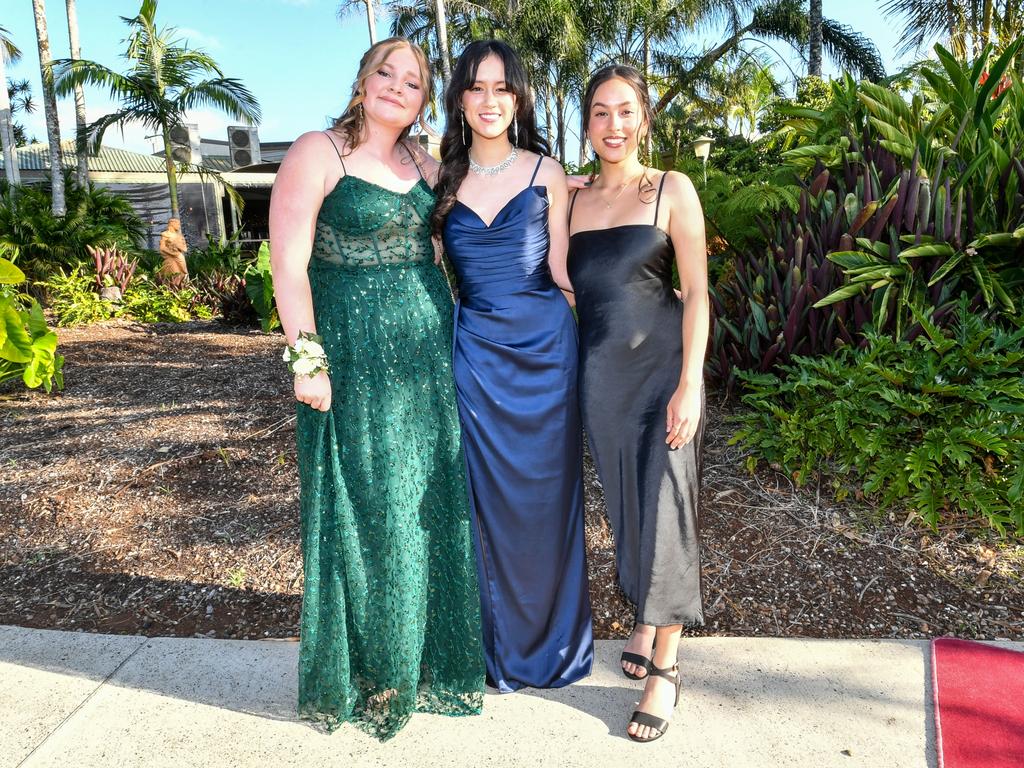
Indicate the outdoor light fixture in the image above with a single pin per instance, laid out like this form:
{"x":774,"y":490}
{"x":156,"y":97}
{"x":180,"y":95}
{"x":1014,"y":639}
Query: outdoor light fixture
{"x":702,"y":149}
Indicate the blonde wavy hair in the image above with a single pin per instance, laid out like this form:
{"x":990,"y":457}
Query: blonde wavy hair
{"x":351,"y":124}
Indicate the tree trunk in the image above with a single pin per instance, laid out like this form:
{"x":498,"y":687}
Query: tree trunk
{"x":50,"y":109}
{"x":814,"y":40}
{"x":442,"y":41}
{"x":560,"y":119}
{"x":647,"y":74}
{"x":82,"y":149}
{"x":371,"y":21}
{"x":172,"y":177}
{"x":549,"y":127}
{"x":7,"y":128}
{"x":986,"y":22}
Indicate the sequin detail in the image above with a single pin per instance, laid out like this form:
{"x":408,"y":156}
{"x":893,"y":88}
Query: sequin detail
{"x":390,"y":615}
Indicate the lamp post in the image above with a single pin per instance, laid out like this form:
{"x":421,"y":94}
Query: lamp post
{"x":702,"y":149}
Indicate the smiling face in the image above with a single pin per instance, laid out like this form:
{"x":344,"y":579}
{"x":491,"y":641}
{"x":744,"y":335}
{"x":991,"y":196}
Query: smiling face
{"x":615,"y":121}
{"x":488,"y":103}
{"x":394,"y":92}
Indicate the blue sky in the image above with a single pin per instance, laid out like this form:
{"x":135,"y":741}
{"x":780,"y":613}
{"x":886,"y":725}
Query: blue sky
{"x":295,"y":55}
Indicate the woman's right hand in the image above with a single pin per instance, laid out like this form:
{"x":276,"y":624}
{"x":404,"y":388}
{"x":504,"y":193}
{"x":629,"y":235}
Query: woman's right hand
{"x":314,"y":391}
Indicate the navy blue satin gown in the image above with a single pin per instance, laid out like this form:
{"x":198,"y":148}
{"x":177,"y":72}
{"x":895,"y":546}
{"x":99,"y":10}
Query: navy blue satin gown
{"x":515,"y":365}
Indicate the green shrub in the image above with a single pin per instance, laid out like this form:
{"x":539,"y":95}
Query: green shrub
{"x":43,"y":243}
{"x":217,"y":256}
{"x":74,"y":301}
{"x":934,"y":425}
{"x":28,"y":349}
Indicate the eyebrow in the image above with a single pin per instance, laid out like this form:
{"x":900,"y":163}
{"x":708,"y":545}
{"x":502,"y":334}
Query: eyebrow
{"x":496,"y":82}
{"x":620,"y":104}
{"x":408,"y":72}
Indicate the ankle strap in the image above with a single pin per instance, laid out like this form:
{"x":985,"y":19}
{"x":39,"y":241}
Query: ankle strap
{"x":669,"y":673}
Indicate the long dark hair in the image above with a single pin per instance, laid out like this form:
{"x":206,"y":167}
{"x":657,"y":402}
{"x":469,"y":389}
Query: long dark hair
{"x":632,"y":77}
{"x":455,"y":142}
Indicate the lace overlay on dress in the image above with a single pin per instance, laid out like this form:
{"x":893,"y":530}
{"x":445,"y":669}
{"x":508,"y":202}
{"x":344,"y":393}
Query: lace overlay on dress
{"x":390,"y":617}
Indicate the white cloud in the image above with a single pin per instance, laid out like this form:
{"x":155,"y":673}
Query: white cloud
{"x":197,"y":39}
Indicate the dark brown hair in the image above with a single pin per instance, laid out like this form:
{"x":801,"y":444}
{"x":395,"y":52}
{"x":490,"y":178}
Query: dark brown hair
{"x":632,"y":77}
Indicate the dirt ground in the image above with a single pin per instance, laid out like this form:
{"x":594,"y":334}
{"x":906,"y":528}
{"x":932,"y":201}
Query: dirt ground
{"x":157,"y":495}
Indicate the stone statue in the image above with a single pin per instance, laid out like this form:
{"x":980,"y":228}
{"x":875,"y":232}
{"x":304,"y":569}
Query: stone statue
{"x":172,"y":248}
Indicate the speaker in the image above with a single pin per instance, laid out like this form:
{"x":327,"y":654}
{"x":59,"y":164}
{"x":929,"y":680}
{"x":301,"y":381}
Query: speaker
{"x":244,"y":145}
{"x":185,"y":144}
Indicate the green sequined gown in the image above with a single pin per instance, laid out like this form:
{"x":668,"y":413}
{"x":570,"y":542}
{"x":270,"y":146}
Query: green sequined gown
{"x":391,"y":612}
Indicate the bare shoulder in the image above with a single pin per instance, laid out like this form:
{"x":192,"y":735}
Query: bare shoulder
{"x":679,"y":187}
{"x":313,"y":147}
{"x":551,"y":171}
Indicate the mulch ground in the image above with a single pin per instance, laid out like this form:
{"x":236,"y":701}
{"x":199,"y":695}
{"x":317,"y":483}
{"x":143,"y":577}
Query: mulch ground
{"x":157,"y":495}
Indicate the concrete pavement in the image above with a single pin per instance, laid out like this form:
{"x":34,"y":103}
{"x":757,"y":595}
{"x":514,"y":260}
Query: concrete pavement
{"x":104,"y":700}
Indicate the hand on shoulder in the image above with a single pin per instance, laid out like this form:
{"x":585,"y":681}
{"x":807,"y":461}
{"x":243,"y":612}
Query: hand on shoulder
{"x":429,"y":167}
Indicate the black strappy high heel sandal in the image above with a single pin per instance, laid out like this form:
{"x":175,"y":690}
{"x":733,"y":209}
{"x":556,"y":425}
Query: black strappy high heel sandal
{"x":645,"y":718}
{"x":640,"y":661}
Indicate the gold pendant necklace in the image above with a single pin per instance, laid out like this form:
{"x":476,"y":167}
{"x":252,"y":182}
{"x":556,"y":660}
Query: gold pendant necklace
{"x":609,"y":203}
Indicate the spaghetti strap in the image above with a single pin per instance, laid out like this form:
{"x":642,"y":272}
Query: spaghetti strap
{"x":336,"y":151}
{"x":413,"y":158}
{"x":539,"y":161}
{"x":572,"y":204}
{"x":657,"y":204}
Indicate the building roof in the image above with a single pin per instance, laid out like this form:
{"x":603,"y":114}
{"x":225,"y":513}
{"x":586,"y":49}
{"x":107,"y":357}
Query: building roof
{"x":36,"y":157}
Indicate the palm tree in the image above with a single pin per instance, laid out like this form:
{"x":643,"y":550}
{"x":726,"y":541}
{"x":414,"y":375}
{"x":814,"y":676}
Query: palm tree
{"x":441,"y":14}
{"x":82,"y":174}
{"x":349,"y":6}
{"x":814,"y":39}
{"x":783,"y":20}
{"x":8,"y":53}
{"x":50,"y":110}
{"x":967,"y":26}
{"x":165,"y":81}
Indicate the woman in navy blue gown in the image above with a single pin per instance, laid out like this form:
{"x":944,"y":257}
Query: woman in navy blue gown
{"x":501,"y":213}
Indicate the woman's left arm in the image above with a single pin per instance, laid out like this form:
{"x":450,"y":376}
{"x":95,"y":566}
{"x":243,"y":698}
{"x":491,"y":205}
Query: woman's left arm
{"x":686,"y":229}
{"x":552,"y":175}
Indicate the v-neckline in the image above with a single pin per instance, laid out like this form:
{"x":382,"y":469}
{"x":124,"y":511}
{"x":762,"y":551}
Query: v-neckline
{"x":488,"y":225}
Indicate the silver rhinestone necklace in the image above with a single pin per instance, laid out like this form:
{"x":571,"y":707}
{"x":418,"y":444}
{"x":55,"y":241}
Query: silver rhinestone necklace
{"x":494,"y":170}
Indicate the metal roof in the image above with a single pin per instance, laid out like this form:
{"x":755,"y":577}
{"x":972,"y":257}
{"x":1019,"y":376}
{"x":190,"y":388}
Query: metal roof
{"x":36,"y":157}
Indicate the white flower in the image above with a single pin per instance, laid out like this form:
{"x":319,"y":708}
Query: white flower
{"x":304,"y":366}
{"x":287,"y":356}
{"x":300,"y":345}
{"x":312,"y":349}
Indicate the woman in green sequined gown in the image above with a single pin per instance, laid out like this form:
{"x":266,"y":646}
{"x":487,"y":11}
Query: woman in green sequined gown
{"x":390,"y":616}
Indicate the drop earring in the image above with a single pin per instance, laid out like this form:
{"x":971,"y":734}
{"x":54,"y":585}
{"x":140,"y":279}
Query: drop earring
{"x":515,"y":131}
{"x":462,"y":133}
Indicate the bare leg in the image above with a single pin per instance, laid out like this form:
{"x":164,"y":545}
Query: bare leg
{"x":659,"y":693}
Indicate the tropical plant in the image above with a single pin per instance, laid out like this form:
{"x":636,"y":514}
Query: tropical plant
{"x":944,"y":172}
{"x":28,"y":349}
{"x":225,"y":294}
{"x":42,"y":242}
{"x":81,"y":152}
{"x":165,"y":81}
{"x":935,"y":425}
{"x":9,"y":52}
{"x":50,"y":109}
{"x":259,"y":287}
{"x":74,"y":299}
{"x":220,"y":255}
{"x":966,"y":26}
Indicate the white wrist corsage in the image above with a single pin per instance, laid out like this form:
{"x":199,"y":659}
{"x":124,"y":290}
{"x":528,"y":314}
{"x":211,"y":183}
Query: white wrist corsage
{"x":307,"y":357}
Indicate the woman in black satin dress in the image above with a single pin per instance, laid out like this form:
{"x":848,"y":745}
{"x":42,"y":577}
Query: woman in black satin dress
{"x":641,"y":393}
